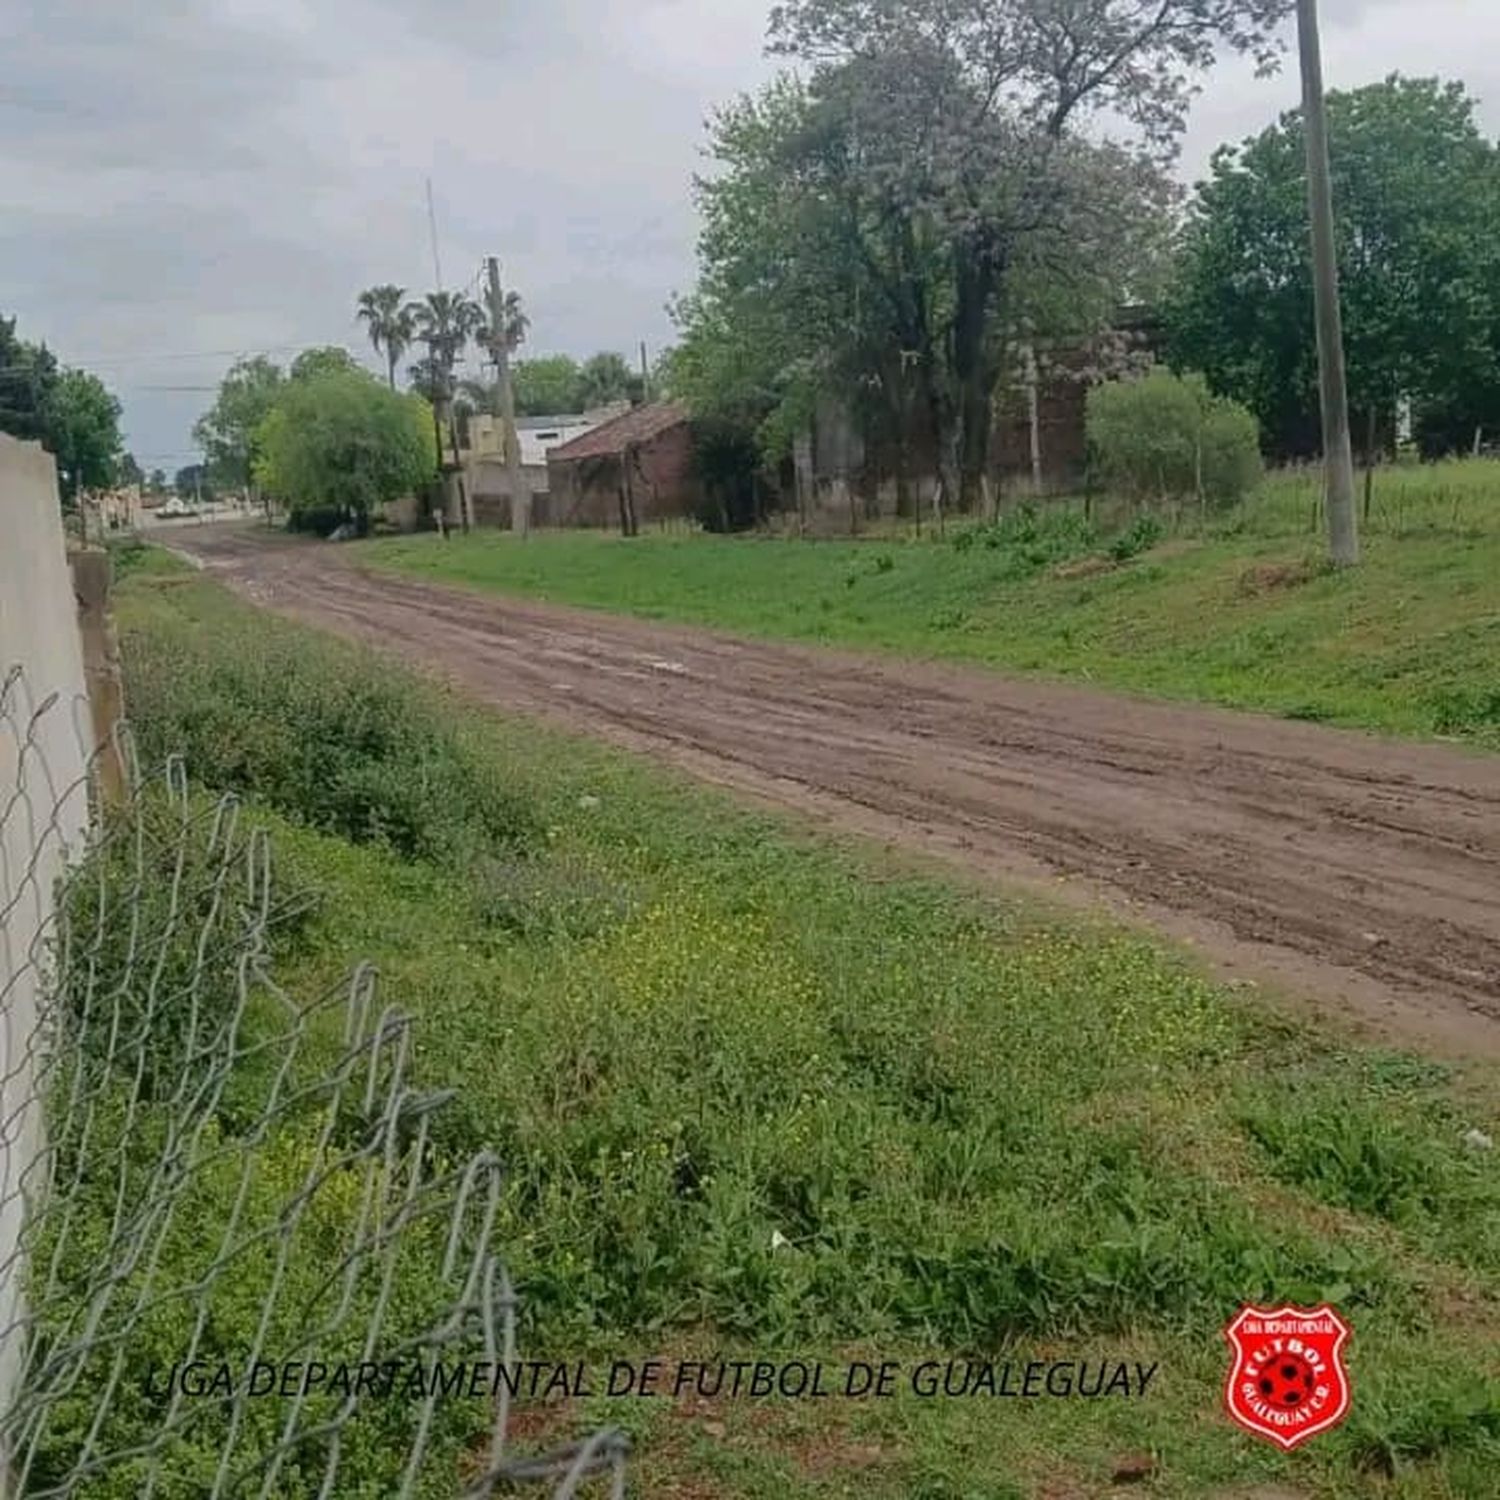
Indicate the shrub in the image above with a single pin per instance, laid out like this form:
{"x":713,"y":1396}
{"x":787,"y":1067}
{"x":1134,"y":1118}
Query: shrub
{"x":1031,"y":539}
{"x":1140,"y":536}
{"x":316,"y":520}
{"x":1168,"y":437}
{"x":321,"y":733}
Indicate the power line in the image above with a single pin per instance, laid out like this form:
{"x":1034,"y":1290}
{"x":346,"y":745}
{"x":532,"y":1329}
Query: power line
{"x":88,"y":361}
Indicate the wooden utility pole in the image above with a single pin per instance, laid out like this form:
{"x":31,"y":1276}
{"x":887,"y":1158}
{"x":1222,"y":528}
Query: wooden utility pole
{"x":520,"y":493}
{"x":1338,"y":453}
{"x":645,"y":376}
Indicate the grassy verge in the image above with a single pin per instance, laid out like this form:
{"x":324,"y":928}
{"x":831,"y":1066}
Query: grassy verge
{"x":1240,"y":613}
{"x":765,"y":1096}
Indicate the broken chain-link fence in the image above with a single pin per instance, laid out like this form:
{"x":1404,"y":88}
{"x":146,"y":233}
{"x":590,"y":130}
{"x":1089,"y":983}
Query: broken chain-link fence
{"x":236,"y":1259}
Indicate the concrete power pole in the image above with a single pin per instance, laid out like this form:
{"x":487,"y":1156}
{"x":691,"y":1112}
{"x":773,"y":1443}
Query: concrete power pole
{"x":520,"y":493}
{"x":1338,"y":455}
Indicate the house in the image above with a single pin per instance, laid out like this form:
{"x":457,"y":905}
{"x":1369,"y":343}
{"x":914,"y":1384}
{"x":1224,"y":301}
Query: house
{"x":630,"y":471}
{"x":485,"y":471}
{"x":1038,"y":437}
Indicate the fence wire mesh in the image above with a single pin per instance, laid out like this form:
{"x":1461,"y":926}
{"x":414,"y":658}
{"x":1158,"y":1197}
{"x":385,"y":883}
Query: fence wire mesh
{"x":235,"y":1258}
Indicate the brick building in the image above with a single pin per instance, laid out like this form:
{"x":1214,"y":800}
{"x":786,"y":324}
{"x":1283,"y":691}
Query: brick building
{"x":633,"y":470}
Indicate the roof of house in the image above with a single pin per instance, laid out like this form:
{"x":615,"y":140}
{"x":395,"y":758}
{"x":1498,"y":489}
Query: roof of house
{"x":638,"y":426}
{"x":546,"y":424}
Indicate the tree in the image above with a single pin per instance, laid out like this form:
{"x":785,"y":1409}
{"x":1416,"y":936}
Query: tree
{"x":157,"y":482}
{"x":445,"y":322}
{"x":389,"y":320}
{"x":934,"y":164}
{"x":327,"y":360}
{"x":228,"y":431}
{"x":549,"y":386}
{"x":514,"y":321}
{"x":344,"y":443}
{"x":1417,"y":189}
{"x":83,"y":431}
{"x":28,"y":377}
{"x":1167,"y":438}
{"x":128,"y":471}
{"x":193,"y":482}
{"x":605,"y":379}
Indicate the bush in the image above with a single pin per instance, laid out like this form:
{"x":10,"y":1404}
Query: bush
{"x":316,"y":520}
{"x":1168,"y":437}
{"x":321,"y":733}
{"x":1032,"y":539}
{"x":1140,"y":536}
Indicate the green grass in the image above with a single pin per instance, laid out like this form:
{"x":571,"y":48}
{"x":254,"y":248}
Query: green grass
{"x":693,"y":1034}
{"x":1238,"y":613}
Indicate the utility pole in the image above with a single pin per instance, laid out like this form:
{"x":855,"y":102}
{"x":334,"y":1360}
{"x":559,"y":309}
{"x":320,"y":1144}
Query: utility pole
{"x":1338,"y":455}
{"x":645,"y":376}
{"x":520,"y":494}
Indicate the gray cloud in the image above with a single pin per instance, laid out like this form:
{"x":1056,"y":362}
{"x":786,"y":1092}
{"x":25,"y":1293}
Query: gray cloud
{"x":196,"y":176}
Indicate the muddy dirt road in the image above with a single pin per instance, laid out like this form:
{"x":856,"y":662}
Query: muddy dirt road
{"x":1359,"y":874}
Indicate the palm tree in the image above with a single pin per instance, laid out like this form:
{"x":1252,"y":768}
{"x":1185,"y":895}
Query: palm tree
{"x":445,"y":322}
{"x":515,"y":322}
{"x":384,"y":312}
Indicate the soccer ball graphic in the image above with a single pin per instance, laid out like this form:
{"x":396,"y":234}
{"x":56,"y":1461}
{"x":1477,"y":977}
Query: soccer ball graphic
{"x":1287,"y":1381}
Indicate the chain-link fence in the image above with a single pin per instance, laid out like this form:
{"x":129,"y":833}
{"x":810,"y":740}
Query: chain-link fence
{"x":242,"y":1262}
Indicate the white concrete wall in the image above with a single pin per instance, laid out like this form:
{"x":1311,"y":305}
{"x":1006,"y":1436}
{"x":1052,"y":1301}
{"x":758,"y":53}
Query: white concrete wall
{"x":43,"y":817}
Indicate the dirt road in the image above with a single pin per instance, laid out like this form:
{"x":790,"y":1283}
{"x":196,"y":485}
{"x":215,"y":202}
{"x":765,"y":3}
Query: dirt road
{"x":1358,"y":873}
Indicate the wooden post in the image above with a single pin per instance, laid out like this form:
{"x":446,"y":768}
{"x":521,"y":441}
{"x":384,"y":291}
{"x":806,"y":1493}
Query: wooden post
{"x":805,"y":475}
{"x":1034,"y":419}
{"x":516,"y":483}
{"x":1338,"y":457}
{"x":101,"y":672}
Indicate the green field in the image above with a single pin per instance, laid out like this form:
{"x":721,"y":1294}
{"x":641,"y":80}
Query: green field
{"x":760,"y":1094}
{"x":1238,"y":612}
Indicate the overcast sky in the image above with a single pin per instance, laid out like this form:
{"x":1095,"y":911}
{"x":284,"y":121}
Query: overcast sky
{"x":184,"y":180}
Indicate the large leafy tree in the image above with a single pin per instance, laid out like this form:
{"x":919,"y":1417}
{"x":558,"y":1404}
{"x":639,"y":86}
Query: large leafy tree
{"x":1417,"y":193}
{"x":342,"y":441}
{"x":229,"y":431}
{"x":70,"y":412}
{"x":927,"y":192}
{"x":548,"y":386}
{"x":83,"y":431}
{"x":28,"y":378}
{"x":327,"y":359}
{"x":390,"y":322}
{"x":606,"y":379}
{"x":194,"y":482}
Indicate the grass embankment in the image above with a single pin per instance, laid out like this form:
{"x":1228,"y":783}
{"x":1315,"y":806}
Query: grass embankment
{"x":1240,"y":613}
{"x":766,"y":1095}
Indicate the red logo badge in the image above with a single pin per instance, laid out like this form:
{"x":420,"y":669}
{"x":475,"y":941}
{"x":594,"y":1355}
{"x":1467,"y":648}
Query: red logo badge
{"x":1287,"y":1380}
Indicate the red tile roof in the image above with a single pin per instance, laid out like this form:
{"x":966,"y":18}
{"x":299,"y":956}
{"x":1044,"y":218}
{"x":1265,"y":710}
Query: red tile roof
{"x":614,"y":437}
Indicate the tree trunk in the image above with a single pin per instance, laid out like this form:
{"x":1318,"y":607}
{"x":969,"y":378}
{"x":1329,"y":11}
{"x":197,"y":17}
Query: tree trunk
{"x":1034,"y":419}
{"x":974,"y":371}
{"x":1372,"y":433}
{"x":452,"y":501}
{"x":460,"y":488}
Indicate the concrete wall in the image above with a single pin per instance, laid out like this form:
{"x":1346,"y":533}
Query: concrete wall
{"x":43,"y":815}
{"x":489,"y":488}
